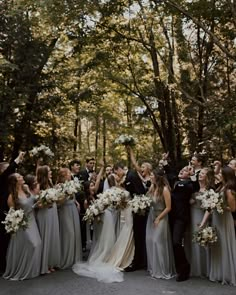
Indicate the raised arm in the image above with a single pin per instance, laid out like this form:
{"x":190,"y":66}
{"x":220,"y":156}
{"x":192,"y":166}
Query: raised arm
{"x":99,"y":177}
{"x":132,"y":158}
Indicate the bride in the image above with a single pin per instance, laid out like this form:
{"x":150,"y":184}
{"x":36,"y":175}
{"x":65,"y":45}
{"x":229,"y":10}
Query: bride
{"x":113,"y":245}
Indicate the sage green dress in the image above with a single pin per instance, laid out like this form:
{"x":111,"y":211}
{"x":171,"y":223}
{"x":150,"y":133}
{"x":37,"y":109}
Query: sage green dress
{"x":24,"y":250}
{"x":223,"y":253}
{"x":160,"y":257}
{"x":199,"y":256}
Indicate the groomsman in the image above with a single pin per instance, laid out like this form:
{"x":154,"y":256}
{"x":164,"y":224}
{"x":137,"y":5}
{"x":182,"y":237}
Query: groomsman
{"x":86,"y":173}
{"x":133,"y":183}
{"x":6,"y":170}
{"x":179,"y":220}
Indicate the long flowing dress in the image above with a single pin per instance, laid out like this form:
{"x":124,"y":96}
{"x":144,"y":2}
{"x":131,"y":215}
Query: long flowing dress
{"x":160,"y":257}
{"x":48,"y":224}
{"x":103,"y":241}
{"x":70,"y":234}
{"x":223,"y":252}
{"x":24,"y":251}
{"x":122,"y":253}
{"x":199,"y":256}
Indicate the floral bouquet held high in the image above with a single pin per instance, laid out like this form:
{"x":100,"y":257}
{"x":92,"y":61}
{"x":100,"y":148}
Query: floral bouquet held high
{"x":140,"y":204}
{"x":211,"y":200}
{"x":15,"y":220}
{"x":125,"y":140}
{"x":41,"y":152}
{"x":206,"y":236}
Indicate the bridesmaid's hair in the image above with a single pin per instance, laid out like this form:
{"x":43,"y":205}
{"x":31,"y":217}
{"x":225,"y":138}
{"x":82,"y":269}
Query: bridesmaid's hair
{"x":161,"y":182}
{"x":42,"y":177}
{"x":61,"y":178}
{"x":111,"y":180}
{"x":31,"y":181}
{"x":210,"y":178}
{"x":12,"y":189}
{"x":229,"y":179}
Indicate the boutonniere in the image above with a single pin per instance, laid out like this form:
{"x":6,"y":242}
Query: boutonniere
{"x":127,"y":183}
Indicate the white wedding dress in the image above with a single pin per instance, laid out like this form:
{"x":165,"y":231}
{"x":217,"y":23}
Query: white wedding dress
{"x":112,"y":249}
{"x":104,"y":237}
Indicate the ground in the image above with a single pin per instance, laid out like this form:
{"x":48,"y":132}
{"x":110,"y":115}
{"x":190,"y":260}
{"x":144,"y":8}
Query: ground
{"x":137,"y":283}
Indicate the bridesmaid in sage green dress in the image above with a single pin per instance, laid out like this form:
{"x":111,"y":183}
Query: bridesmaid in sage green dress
{"x":24,"y":251}
{"x":199,"y":256}
{"x":48,"y":224}
{"x":223,"y":252}
{"x":160,"y":256}
{"x":69,"y":223}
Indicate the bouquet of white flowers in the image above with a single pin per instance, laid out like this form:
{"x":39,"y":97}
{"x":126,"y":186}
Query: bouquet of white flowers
{"x":70,"y":188}
{"x":118,"y":198}
{"x":15,"y":219}
{"x":49,"y":196}
{"x":125,"y":140}
{"x":206,"y":236}
{"x":41,"y":151}
{"x":140,"y":204}
{"x":95,"y":210}
{"x":211,"y":200}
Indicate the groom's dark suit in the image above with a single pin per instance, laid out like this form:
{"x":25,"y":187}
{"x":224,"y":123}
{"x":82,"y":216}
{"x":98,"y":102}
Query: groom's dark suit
{"x":134,"y":185}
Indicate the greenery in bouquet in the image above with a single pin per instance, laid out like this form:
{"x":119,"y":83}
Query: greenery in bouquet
{"x":49,"y":196}
{"x":205,"y":236}
{"x":140,"y":204}
{"x":210,"y":200}
{"x":125,"y":139}
{"x":15,"y":220}
{"x":41,"y":152}
{"x":118,"y":198}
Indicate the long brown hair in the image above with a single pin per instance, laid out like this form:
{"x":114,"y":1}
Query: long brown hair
{"x":42,"y":177}
{"x":161,"y":183}
{"x":229,"y":178}
{"x":210,"y":178}
{"x":61,"y":178}
{"x":13,"y":191}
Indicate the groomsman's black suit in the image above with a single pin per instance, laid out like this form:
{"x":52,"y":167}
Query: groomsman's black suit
{"x":84,"y":175}
{"x":179,"y":220}
{"x":134,"y":185}
{"x":4,"y":237}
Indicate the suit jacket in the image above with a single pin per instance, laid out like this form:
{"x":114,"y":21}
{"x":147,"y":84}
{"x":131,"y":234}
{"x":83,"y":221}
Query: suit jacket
{"x":83,"y":175}
{"x":180,"y":197}
{"x":133,"y":183}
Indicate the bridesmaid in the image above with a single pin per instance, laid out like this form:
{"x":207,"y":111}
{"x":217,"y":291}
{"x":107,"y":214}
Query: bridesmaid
{"x":199,"y":256}
{"x":223,"y":253}
{"x":158,"y":238}
{"x":24,"y":251}
{"x":69,"y":223}
{"x":47,"y":218}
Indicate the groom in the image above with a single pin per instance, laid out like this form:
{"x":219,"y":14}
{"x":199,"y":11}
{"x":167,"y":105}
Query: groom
{"x":133,"y":184}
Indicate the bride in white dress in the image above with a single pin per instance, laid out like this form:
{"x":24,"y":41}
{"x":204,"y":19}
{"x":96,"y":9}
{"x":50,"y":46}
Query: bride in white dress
{"x":109,"y":254}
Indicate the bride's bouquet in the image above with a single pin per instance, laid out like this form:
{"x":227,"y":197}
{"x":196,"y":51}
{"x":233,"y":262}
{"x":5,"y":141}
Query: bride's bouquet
{"x":70,"y":188}
{"x":41,"y":151}
{"x":15,"y":219}
{"x":118,"y":198}
{"x":206,"y":236}
{"x":140,"y":204}
{"x":211,"y":200}
{"x":125,"y":140}
{"x":49,"y":196}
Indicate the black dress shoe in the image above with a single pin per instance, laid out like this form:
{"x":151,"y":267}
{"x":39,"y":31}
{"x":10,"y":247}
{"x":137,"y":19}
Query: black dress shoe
{"x":181,"y":278}
{"x":130,"y":268}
